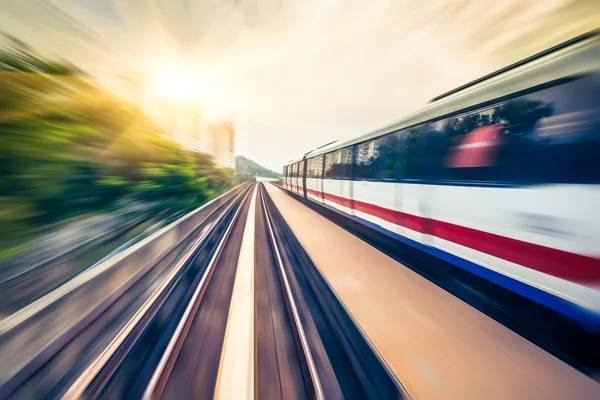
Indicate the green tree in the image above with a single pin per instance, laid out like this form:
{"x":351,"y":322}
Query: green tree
{"x":70,"y":147}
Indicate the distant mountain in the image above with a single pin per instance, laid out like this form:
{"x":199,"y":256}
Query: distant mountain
{"x":244,"y":165}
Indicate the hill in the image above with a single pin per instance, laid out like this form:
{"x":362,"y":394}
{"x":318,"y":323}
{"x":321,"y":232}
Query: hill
{"x":244,"y":165}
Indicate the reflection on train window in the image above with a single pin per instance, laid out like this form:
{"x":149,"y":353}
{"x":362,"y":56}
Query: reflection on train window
{"x":319,"y":166}
{"x":329,"y":159}
{"x":339,"y":164}
{"x":310,"y":167}
{"x":552,"y":135}
{"x":342,"y":164}
{"x":379,"y":159}
{"x":411,"y":151}
{"x":300,"y":172}
{"x":315,"y":167}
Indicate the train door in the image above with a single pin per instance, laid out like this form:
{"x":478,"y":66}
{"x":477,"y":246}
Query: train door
{"x":301,"y":178}
{"x":330,"y":185}
{"x":345,"y":159}
{"x":375,"y":183}
{"x":296,"y":177}
{"x":304,"y":173}
{"x":336,"y":181}
{"x":309,"y":180}
{"x":319,"y":170}
{"x":314,"y":178}
{"x":294,"y":181}
{"x":413,"y":195}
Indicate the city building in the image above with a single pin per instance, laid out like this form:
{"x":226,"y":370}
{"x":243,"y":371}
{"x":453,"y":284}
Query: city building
{"x":180,"y":120}
{"x":183,"y":122}
{"x":366,"y":151}
{"x":218,"y":140}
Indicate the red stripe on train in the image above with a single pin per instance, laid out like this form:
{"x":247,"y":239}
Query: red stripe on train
{"x":558,"y":263}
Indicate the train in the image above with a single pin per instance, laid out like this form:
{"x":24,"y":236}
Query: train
{"x":500,"y":177}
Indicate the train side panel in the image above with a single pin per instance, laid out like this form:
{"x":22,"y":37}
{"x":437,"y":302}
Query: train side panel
{"x":478,"y":229}
{"x":502,"y":179}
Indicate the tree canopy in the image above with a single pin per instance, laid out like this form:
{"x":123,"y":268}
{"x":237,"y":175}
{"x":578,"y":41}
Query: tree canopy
{"x":71,"y":147}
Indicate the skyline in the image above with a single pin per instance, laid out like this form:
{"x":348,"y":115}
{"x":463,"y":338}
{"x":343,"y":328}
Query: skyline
{"x":294,"y":76}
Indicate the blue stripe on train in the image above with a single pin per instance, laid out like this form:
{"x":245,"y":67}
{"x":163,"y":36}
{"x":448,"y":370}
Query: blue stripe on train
{"x":583,"y":316}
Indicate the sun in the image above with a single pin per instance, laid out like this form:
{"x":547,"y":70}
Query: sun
{"x":176,"y":84}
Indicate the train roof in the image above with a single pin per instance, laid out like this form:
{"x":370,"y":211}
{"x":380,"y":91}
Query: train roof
{"x":574,"y":57}
{"x":325,"y":147}
{"x":294,"y":161}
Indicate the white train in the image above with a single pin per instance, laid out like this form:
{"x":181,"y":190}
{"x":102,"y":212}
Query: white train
{"x":500,"y":177}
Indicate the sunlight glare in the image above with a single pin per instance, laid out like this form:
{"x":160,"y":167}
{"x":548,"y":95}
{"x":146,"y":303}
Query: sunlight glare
{"x":176,"y":84}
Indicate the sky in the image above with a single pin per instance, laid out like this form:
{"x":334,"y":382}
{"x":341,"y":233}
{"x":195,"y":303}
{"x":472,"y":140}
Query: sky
{"x":294,"y":75}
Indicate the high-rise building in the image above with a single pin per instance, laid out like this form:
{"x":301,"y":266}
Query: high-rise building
{"x":188,"y":123}
{"x":181,"y":120}
{"x":366,"y":151}
{"x":218,"y":140}
{"x":184,"y":123}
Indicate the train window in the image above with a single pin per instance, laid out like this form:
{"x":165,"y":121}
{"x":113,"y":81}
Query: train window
{"x":315,"y":167}
{"x":344,"y":162}
{"x":301,"y":170}
{"x":463,"y":148}
{"x":549,"y":136}
{"x":338,"y":164}
{"x":412,"y":154}
{"x":366,"y":153}
{"x":329,"y":161}
{"x":319,"y":166}
{"x":379,"y":159}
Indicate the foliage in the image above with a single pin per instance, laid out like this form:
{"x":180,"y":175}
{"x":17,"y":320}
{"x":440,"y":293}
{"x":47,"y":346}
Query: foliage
{"x":244,"y":165}
{"x":18,"y":56}
{"x":70,"y":147}
{"x":241,"y":178}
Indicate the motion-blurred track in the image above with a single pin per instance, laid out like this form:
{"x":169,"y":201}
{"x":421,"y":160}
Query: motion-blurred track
{"x":52,"y":341}
{"x":181,"y":324}
{"x":287,"y":348}
{"x":234,"y":301}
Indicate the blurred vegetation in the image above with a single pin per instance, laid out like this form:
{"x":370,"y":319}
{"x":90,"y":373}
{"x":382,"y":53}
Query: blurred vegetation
{"x":241,"y":178}
{"x":71,"y":148}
